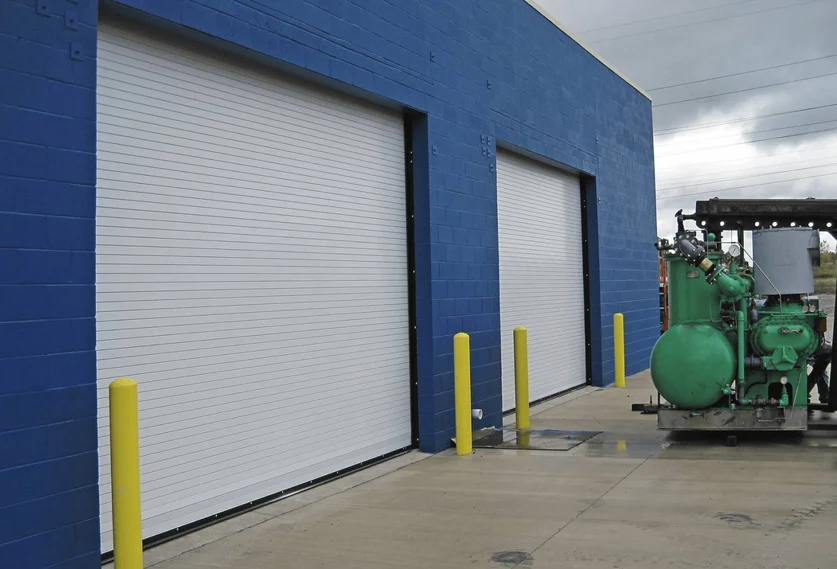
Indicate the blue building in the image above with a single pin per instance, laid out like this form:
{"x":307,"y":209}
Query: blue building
{"x":275,"y":216}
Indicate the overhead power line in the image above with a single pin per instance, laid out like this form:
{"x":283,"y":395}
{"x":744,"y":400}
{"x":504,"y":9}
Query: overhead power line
{"x":716,"y":7}
{"x":763,"y":157}
{"x":742,"y":73}
{"x":738,"y":171}
{"x":706,"y":21}
{"x":768,"y":130}
{"x":733,"y":121}
{"x":744,"y":187}
{"x":746,"y":90}
{"x":749,"y":142}
{"x":745,"y":177}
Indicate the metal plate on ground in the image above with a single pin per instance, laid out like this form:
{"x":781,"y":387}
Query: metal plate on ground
{"x":532,"y":439}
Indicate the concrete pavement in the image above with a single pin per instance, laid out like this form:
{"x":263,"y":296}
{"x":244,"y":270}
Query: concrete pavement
{"x":630,"y":497}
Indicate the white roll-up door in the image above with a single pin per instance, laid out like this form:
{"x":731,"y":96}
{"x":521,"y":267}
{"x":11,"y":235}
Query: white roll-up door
{"x":541,"y":274}
{"x":252,"y":276}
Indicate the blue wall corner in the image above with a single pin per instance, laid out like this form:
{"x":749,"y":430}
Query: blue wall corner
{"x":49,"y":508}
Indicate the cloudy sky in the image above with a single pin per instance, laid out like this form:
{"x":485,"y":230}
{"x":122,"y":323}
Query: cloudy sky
{"x":706,"y":146}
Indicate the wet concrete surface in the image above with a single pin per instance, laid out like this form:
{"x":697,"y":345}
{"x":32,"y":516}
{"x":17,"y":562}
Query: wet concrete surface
{"x":531,"y":439}
{"x":629,"y":497}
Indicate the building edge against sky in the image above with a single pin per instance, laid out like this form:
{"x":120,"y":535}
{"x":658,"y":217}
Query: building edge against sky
{"x":437,"y":112}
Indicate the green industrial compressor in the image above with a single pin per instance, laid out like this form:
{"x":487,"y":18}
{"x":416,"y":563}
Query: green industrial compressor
{"x":743,"y":329}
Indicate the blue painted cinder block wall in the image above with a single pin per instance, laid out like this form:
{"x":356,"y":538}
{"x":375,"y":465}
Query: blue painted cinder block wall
{"x":479,"y":73}
{"x":49,"y":512}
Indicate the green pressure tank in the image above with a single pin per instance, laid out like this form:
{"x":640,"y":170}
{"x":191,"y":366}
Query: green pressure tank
{"x":692,"y":365}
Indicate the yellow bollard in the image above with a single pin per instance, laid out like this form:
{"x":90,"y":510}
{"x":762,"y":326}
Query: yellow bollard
{"x":521,"y":377}
{"x":462,"y":392}
{"x":619,"y":348}
{"x":125,"y":475}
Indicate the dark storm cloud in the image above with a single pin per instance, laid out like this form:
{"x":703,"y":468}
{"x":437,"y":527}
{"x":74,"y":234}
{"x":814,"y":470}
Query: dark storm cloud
{"x":661,"y":48}
{"x":732,"y":40}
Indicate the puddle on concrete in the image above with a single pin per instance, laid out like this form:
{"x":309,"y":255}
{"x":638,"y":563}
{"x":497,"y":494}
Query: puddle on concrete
{"x":641,"y":438}
{"x":531,"y":439}
{"x":619,"y":449}
{"x":653,"y":443}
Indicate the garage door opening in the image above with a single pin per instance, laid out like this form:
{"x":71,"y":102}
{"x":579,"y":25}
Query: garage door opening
{"x":541,"y":251}
{"x":252,"y":276}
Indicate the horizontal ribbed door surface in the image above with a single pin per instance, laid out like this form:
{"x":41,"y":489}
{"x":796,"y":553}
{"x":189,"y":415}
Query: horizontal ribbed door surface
{"x":252,"y":276}
{"x":541,"y":274}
